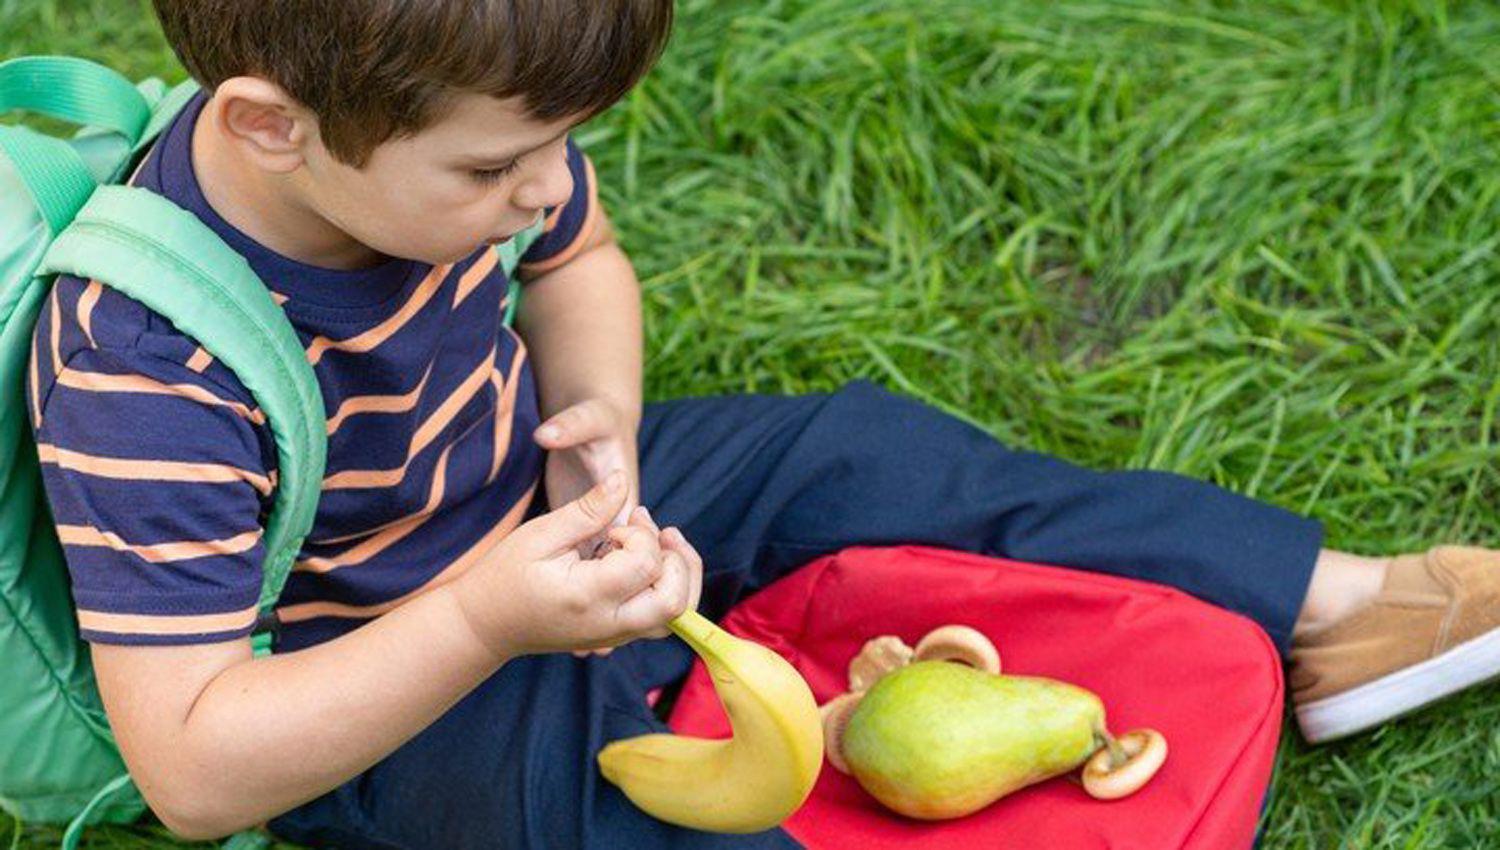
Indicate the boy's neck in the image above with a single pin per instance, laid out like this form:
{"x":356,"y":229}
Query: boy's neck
{"x":268,"y":207}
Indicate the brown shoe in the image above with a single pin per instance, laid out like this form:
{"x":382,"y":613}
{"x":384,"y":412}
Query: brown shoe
{"x":1433,"y":630}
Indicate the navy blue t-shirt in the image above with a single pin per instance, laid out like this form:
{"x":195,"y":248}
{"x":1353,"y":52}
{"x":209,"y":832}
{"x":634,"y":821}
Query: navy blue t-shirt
{"x":159,"y":466}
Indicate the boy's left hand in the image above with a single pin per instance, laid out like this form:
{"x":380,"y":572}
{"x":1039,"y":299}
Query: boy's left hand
{"x":591,"y":439}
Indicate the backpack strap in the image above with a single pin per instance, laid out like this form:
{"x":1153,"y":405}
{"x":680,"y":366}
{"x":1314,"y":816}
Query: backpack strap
{"x":164,"y":110}
{"x":510,"y":259}
{"x":159,"y":254}
{"x":74,"y":90}
{"x":52,"y":172}
{"x":84,"y":93}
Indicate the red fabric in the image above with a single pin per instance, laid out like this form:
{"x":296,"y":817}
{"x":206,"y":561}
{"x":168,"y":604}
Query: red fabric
{"x":1208,"y":679}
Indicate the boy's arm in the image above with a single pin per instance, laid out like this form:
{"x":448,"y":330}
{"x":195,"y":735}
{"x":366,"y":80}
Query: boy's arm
{"x":155,"y":478}
{"x":218,"y":743}
{"x":582,"y":324}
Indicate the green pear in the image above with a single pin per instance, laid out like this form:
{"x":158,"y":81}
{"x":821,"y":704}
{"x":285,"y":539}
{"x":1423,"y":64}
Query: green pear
{"x":937,"y":740}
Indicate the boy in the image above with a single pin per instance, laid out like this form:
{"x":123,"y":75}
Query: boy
{"x":363,"y":156}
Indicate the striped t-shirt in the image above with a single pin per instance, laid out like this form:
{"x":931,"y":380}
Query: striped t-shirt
{"x":160,"y":468}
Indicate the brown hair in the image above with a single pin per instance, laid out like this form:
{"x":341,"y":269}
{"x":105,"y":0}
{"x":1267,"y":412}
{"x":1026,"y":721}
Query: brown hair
{"x":372,"y":70}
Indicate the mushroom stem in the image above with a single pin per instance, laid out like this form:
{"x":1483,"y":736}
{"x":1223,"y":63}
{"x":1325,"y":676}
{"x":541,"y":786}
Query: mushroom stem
{"x":1143,"y":751}
{"x":1117,"y":754}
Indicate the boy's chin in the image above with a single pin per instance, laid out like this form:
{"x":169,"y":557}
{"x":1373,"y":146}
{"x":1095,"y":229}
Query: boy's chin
{"x":449,"y":257}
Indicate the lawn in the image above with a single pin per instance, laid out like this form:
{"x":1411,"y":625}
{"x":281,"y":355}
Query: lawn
{"x":1253,"y":242}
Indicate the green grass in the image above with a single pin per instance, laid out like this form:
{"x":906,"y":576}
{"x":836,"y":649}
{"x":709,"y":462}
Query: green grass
{"x":1253,"y":242}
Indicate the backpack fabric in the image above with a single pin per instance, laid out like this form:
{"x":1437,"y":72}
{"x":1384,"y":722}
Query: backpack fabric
{"x":59,"y":214}
{"x":1208,"y":679}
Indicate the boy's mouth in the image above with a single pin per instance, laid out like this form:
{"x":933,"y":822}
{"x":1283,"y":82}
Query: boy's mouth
{"x":501,"y":240}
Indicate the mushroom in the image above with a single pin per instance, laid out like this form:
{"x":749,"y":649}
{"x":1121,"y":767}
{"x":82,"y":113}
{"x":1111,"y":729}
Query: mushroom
{"x":962,"y":644}
{"x":836,"y":713}
{"x":1123,"y":765}
{"x":879,"y":656}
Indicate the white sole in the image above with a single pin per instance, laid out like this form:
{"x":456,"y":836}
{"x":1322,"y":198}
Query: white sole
{"x":1401,"y":692}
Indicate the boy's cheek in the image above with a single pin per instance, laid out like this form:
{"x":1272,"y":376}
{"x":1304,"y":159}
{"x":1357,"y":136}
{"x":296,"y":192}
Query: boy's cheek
{"x":433,"y":221}
{"x":428,"y":236}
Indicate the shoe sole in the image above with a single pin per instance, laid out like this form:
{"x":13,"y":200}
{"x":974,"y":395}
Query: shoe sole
{"x":1402,"y":692}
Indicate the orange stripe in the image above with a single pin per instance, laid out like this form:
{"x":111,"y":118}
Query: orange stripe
{"x":36,"y":391}
{"x":507,"y":524}
{"x":426,"y":433}
{"x":279,"y":298}
{"x":158,"y":553}
{"x":434,"y":495}
{"x":551,"y":223}
{"x":150,"y":470}
{"x":591,"y":219}
{"x":383,"y":331}
{"x":200,"y":360}
{"x":137,"y":172}
{"x":388,"y":534}
{"x":86,"y":303}
{"x":100,"y":382}
{"x":378,"y":403}
{"x":505,"y":413}
{"x":56,"y":333}
{"x":165,"y":624}
{"x":476,"y":275}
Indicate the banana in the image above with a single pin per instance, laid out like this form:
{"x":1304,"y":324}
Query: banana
{"x":749,"y":782}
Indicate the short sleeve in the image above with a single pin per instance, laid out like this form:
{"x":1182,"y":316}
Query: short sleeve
{"x":157,"y":483}
{"x":570,"y":225}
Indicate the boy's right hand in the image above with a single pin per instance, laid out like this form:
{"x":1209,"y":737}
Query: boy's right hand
{"x":533,"y":592}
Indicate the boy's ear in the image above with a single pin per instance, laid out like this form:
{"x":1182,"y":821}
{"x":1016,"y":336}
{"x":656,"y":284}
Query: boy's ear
{"x":268,"y":125}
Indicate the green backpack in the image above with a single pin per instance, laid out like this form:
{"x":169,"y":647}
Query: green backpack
{"x":58,"y":214}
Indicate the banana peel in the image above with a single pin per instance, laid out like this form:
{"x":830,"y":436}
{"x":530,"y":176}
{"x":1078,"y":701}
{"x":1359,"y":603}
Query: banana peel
{"x":749,"y":782}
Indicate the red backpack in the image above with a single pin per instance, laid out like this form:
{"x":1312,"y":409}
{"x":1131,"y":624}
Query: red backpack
{"x":1208,"y":679}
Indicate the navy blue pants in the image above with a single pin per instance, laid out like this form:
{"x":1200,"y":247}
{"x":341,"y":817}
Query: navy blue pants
{"x":761,"y":484}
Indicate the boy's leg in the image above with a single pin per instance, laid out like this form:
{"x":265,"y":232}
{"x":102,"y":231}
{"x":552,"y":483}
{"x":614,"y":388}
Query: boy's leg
{"x":512,"y":767}
{"x":761,"y":484}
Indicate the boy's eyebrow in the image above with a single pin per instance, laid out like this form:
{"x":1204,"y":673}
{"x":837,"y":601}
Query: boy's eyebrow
{"x":505,"y":158}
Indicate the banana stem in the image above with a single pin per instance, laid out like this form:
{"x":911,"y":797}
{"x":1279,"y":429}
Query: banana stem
{"x":696,"y":630}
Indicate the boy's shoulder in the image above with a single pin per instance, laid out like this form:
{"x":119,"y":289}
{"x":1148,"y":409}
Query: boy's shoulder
{"x":87,"y":319}
{"x":86,"y":316}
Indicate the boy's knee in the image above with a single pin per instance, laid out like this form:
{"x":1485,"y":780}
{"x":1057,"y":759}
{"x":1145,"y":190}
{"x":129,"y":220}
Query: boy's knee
{"x":868,"y":406}
{"x":863,"y":393}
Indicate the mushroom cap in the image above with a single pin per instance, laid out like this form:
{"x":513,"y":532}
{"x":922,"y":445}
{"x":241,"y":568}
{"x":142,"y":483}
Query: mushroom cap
{"x":959,"y":643}
{"x":879,"y":656}
{"x":836,"y":713}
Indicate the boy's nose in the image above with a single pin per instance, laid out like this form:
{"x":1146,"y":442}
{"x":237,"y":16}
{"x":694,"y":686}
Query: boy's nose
{"x":550,"y":188}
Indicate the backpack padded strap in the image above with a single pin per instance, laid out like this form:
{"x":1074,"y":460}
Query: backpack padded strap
{"x":148,"y":248}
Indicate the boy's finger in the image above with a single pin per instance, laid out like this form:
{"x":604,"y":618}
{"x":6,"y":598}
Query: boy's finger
{"x":673,"y":541}
{"x":649,"y":611}
{"x":635,"y":538}
{"x":582,"y":421}
{"x":620,"y":575}
{"x":576,"y":521}
{"x":643,"y":516}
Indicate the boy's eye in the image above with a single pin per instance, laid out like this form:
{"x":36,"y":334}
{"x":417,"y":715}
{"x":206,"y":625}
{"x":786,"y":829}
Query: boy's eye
{"x":487,"y":176}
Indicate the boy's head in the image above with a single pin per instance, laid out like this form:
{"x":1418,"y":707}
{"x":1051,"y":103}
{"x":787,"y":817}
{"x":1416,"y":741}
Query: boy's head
{"x":399,"y":122}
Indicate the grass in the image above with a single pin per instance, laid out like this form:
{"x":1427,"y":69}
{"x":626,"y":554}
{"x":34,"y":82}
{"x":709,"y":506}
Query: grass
{"x":1253,"y":242}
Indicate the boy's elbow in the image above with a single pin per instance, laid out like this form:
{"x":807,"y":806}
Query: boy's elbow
{"x":192,"y":812}
{"x":191,"y":830}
